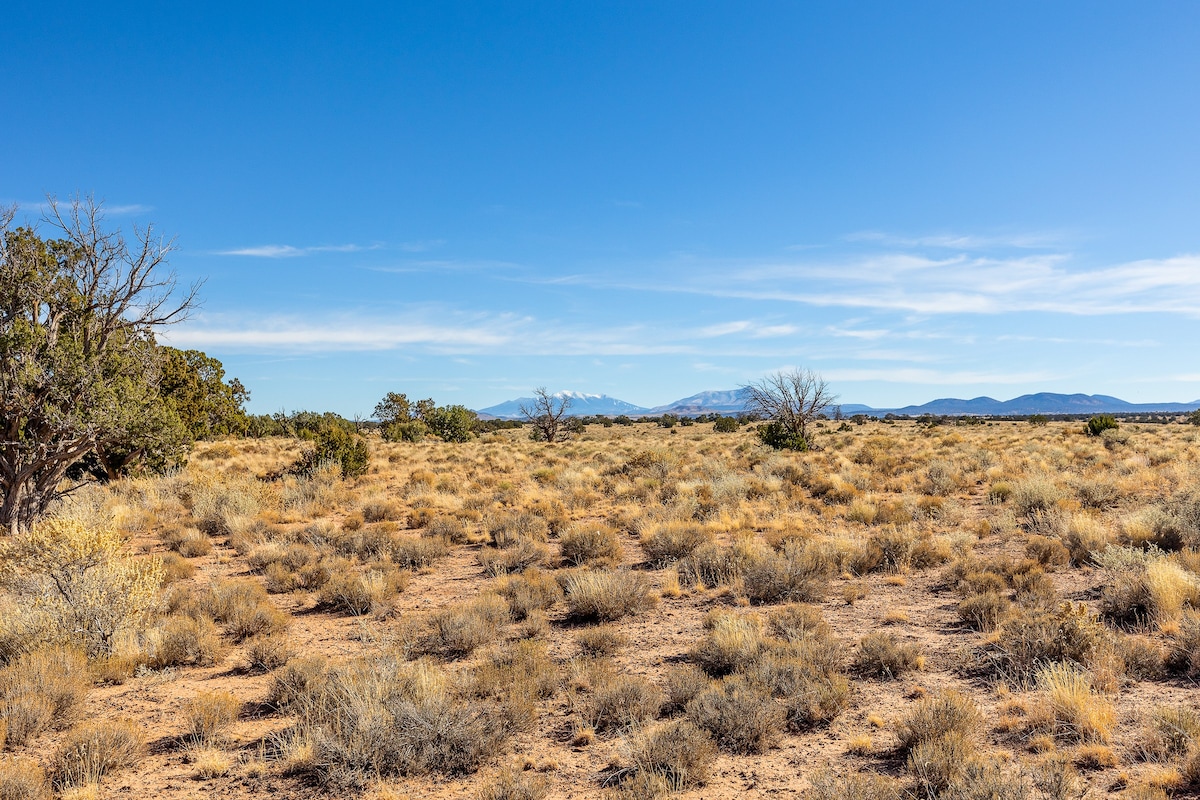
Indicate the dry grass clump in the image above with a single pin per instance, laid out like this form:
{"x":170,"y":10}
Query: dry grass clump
{"x":418,"y":552}
{"x":94,"y":750}
{"x":518,"y":556}
{"x":209,"y":715}
{"x":181,"y":640}
{"x":937,"y":737}
{"x":363,"y":592}
{"x":799,"y":574}
{"x":1169,"y":733}
{"x":606,"y":596}
{"x":731,"y":642}
{"x":881,"y":655}
{"x":1073,"y":711}
{"x":242,"y":606}
{"x":456,"y":631}
{"x":521,"y":670}
{"x":668,"y":542}
{"x":511,"y":784}
{"x":268,"y":652}
{"x":676,"y":755}
{"x":622,"y":704}
{"x":41,"y":690}
{"x":584,"y":544}
{"x":507,"y":530}
{"x":1145,"y":586}
{"x":22,"y":779}
{"x":826,"y":785}
{"x":600,"y":641}
{"x":383,"y":718}
{"x":531,"y":591}
{"x":742,"y":717}
{"x":1034,"y":495}
{"x":451,"y":529}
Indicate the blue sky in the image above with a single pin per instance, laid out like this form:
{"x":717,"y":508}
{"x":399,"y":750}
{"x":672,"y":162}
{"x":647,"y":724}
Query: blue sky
{"x":466,"y":201}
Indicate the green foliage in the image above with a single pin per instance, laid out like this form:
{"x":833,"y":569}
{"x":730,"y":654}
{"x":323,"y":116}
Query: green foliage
{"x":726,"y":425}
{"x":79,"y":369}
{"x":776,"y":434}
{"x":452,"y":423}
{"x":393,"y":408}
{"x":412,"y":431}
{"x":194,"y":386}
{"x":1194,"y":417}
{"x":336,"y":445}
{"x":668,"y":421}
{"x":1101,"y":423}
{"x":1039,"y":420}
{"x":622,"y":419}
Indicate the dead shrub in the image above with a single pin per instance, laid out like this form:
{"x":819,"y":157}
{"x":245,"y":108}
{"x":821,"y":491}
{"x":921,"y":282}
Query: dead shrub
{"x":94,"y":750}
{"x":881,"y":655}
{"x":208,"y":715}
{"x":532,"y":590}
{"x":417,"y":552}
{"x":670,"y":542}
{"x":600,"y":641}
{"x":520,"y":669}
{"x":583,"y":544}
{"x":984,"y":611}
{"x":679,"y":754}
{"x":265,"y":653}
{"x":937,"y":717}
{"x":517,"y":557}
{"x":459,"y":629}
{"x":42,"y":689}
{"x":366,"y":592}
{"x":622,"y":704}
{"x":741,"y":717}
{"x":181,"y":640}
{"x":22,"y":779}
{"x":449,"y":528}
{"x":683,"y":683}
{"x":606,"y":596}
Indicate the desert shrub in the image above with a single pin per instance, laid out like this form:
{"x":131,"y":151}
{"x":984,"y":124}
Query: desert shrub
{"x":1153,"y":589}
{"x":678,"y":753}
{"x":897,"y":548}
{"x":1184,"y":654}
{"x":1050,"y":553}
{"x":298,"y":682}
{"x":517,"y":557}
{"x":379,"y":509}
{"x":600,"y":641}
{"x":335,"y":445}
{"x":586,"y":543}
{"x":726,"y":425}
{"x":987,"y":779}
{"x":623,"y":704}
{"x":815,"y":697}
{"x":1076,"y":712}
{"x":1101,"y":423}
{"x":461,"y":628}
{"x":96,"y":749}
{"x":512,"y":784}
{"x":799,"y":574}
{"x":521,"y":669}
{"x":984,"y":611}
{"x":80,"y":583}
{"x":192,"y":544}
{"x":416,"y":552}
{"x":1170,"y":732}
{"x":365,"y":543}
{"x":670,"y":542}
{"x":936,"y":763}
{"x":607,"y":595}
{"x":714,"y":565}
{"x":366,"y":592}
{"x":181,"y":640}
{"x":449,"y":528}
{"x":1037,"y":636}
{"x":1034,"y":494}
{"x":42,"y":689}
{"x":383,"y":718}
{"x":881,"y":655}
{"x":935,"y":717}
{"x":741,"y":717}
{"x":731,"y":642}
{"x":797,"y":621}
{"x":507,"y":530}
{"x":242,"y":606}
{"x":208,"y":715}
{"x":827,"y":785}
{"x":532,"y":590}
{"x":683,"y":682}
{"x":22,"y":779}
{"x":268,"y":652}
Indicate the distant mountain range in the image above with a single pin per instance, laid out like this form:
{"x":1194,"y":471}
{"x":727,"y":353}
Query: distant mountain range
{"x":733,"y":401}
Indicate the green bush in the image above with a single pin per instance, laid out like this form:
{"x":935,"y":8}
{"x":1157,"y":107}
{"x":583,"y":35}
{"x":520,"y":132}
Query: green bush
{"x":1101,"y":423}
{"x":452,"y":423}
{"x":726,"y":425}
{"x":339,"y":446}
{"x":409,"y":431}
{"x":776,"y":434}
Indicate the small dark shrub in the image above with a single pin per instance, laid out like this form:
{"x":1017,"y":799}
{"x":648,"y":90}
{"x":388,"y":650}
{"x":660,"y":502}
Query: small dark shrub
{"x":1101,"y":423}
{"x":881,"y":655}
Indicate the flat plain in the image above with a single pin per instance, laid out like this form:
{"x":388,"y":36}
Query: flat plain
{"x":986,"y":610}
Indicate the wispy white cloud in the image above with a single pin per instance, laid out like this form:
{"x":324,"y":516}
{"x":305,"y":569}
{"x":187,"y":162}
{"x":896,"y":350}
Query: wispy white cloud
{"x":960,"y":241}
{"x":936,"y":377}
{"x":290,"y":251}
